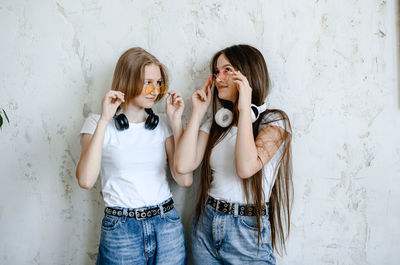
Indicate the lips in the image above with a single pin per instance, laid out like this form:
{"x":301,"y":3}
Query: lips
{"x":151,"y":98}
{"x":221,"y":87}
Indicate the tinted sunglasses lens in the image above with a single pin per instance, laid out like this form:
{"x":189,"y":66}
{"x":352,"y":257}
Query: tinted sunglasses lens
{"x":149,"y":89}
{"x":163,"y":88}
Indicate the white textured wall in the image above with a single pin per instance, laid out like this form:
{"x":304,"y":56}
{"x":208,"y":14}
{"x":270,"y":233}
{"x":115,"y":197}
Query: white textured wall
{"x":333,"y":67}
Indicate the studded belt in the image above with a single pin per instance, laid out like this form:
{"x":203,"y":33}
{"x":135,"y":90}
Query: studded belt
{"x":233,"y":208}
{"x":142,"y":213}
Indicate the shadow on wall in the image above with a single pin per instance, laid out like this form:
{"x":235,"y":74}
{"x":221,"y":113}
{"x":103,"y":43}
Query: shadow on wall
{"x":86,"y":207}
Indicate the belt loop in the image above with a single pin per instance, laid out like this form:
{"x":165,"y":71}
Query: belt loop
{"x":235,"y":209}
{"x":124,"y":214}
{"x":161,"y":207}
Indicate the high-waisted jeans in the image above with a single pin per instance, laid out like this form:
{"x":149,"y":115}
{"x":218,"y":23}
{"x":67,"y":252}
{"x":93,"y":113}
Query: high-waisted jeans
{"x":229,"y":239}
{"x":157,"y":240}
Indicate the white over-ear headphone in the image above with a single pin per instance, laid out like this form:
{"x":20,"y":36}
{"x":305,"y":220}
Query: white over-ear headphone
{"x":224,"y":116}
{"x":257,"y":110}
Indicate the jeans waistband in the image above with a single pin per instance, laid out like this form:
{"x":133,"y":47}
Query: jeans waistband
{"x":141,"y":213}
{"x":222,"y":206}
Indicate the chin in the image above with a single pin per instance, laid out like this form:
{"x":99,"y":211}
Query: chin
{"x":222,"y":95}
{"x":225,"y":97}
{"x":148,"y":105}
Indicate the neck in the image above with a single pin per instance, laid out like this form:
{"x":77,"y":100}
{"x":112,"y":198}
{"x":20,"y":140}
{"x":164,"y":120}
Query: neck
{"x":134,"y":113}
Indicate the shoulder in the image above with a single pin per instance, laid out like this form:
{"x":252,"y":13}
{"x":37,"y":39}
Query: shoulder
{"x":90,"y":122}
{"x":276,"y":117}
{"x":93,"y":117}
{"x":206,"y":125}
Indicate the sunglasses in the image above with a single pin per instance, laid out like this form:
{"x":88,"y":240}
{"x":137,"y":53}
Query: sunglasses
{"x":149,"y":88}
{"x":221,"y":74}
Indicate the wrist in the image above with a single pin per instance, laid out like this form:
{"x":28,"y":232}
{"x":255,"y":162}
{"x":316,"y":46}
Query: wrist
{"x":104,"y":120}
{"x":244,"y":105}
{"x":102,"y":124}
{"x":176,"y":126}
{"x":245,"y":112}
{"x":197,"y":114}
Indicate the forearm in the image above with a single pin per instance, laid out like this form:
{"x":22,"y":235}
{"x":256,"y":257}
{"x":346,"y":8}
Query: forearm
{"x":89,"y":164}
{"x":177,"y":131}
{"x":246,"y":157}
{"x":184,"y":180}
{"x":186,"y":146}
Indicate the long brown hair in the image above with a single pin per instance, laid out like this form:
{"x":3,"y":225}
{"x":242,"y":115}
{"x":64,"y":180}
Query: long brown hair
{"x":129,"y":73}
{"x":250,"y":62}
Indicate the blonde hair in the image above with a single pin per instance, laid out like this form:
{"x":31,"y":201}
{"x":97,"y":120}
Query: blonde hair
{"x":129,"y":73}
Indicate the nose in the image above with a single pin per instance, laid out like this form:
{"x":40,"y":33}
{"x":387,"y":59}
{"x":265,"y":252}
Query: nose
{"x":156,"y":90}
{"x":152,"y":89}
{"x":221,"y":76}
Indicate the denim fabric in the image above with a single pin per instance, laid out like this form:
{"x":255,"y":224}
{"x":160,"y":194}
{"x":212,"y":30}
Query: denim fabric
{"x":230,"y":239}
{"x":157,"y":240}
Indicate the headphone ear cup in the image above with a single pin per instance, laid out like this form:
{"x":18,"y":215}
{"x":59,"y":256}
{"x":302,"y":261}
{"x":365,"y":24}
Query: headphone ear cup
{"x":223,"y":117}
{"x":148,"y":123}
{"x":152,"y":120}
{"x":121,"y":122}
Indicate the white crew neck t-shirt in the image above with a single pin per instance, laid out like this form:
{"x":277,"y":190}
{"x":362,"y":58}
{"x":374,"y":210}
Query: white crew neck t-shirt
{"x":225,"y":184}
{"x":133,"y":163}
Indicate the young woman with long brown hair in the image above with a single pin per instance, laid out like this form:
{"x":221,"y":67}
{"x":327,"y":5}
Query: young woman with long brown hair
{"x":129,"y":145}
{"x":243,"y":212}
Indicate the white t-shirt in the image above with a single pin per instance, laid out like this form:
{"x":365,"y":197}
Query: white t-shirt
{"x":225,"y":184}
{"x":133,"y":163}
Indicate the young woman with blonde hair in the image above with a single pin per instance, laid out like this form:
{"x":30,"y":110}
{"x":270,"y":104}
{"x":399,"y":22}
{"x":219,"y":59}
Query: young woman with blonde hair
{"x":129,"y":146}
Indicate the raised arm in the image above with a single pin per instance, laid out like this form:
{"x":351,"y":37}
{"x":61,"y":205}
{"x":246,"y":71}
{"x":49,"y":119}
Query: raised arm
{"x":251,"y":155}
{"x":88,"y":167}
{"x":174,"y":109}
{"x":191,"y":145}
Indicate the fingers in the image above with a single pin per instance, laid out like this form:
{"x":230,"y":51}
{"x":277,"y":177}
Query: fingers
{"x":113,"y":96}
{"x":209,"y":94}
{"x":240,"y":80}
{"x":238,"y":76}
{"x":174,"y":98}
{"x":177,"y":100}
{"x":208,"y":83}
{"x":201,"y":94}
{"x":168,"y":99}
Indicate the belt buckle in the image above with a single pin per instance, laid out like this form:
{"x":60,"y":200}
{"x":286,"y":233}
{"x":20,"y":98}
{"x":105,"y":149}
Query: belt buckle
{"x":138,"y":215}
{"x":230,"y":208}
{"x":217,"y":205}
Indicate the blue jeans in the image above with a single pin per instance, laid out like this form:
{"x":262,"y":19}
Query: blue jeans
{"x":229,"y":239}
{"x":156,"y":240}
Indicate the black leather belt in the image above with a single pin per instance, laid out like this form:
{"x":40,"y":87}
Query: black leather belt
{"x":142,"y":213}
{"x":230,"y":208}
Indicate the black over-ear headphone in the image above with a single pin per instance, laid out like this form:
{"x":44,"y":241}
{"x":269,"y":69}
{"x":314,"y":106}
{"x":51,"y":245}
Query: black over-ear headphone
{"x":122,"y":123}
{"x":152,"y":120}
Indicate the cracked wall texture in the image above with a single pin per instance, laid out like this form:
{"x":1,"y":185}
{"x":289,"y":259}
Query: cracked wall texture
{"x":333,"y":67}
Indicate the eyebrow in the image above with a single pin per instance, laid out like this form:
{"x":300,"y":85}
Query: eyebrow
{"x":147,"y":79}
{"x":224,"y":65}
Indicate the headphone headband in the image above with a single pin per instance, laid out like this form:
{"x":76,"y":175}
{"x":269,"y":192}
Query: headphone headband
{"x":122,"y":123}
{"x":224,"y":116}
